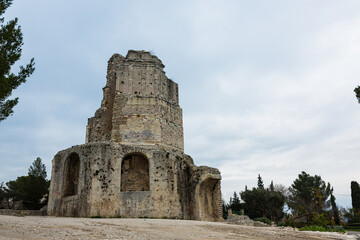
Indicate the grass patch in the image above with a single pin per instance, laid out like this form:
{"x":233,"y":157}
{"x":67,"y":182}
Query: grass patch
{"x":316,"y":228}
{"x":352,"y":227}
{"x":95,"y":217}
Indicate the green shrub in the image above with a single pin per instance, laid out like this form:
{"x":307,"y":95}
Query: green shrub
{"x":95,"y":216}
{"x":281,"y":224}
{"x":319,"y":220}
{"x":352,"y":226}
{"x":338,"y":228}
{"x":320,"y":229}
{"x":353,"y":229}
{"x":237,"y":212}
{"x":295,"y":224}
{"x":357,"y":225}
{"x":264,"y":220}
{"x":313,"y":228}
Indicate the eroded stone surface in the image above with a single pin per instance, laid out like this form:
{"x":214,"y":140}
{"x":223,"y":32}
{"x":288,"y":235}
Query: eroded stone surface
{"x":140,"y":104}
{"x":133,"y":162}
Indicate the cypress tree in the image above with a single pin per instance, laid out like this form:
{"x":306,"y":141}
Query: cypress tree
{"x":355,"y":196}
{"x":335,"y":210}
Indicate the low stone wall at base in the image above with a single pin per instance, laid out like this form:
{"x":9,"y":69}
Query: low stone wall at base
{"x":244,"y":220}
{"x":22,"y":212}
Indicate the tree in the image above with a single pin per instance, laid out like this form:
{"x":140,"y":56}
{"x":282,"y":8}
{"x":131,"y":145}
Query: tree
{"x":271,"y":186}
{"x":2,"y":195}
{"x":30,"y":190}
{"x":7,"y":201}
{"x":11,"y":41}
{"x":351,"y":216}
{"x":309,"y":195}
{"x":260,"y":182}
{"x":235,"y":204}
{"x":355,"y":196}
{"x":261,"y":202}
{"x":335,"y":210}
{"x":281,"y":188}
{"x":37,"y":169}
{"x":357,"y":93}
{"x":224,"y":209}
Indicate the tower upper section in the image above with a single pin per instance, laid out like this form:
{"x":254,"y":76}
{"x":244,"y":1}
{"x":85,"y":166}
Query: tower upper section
{"x":140,"y":104}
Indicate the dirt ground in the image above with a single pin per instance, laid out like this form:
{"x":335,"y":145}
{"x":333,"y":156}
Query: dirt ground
{"x":39,"y":228}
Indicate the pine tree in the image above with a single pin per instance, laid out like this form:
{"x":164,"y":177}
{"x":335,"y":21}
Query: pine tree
{"x":30,"y":189}
{"x":309,"y":196}
{"x":11,"y":41}
{"x":37,"y":169}
{"x":260,"y":182}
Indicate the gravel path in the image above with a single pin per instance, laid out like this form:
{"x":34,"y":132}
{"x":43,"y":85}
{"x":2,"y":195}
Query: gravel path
{"x":40,"y":228}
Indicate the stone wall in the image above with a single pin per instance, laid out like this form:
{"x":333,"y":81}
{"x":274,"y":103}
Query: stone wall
{"x":11,"y":212}
{"x":133,"y":162}
{"x":173,"y":184}
{"x":140,"y":104}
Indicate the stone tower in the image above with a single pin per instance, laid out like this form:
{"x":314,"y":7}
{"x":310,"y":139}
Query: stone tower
{"x":140,"y":105}
{"x":133,"y":162}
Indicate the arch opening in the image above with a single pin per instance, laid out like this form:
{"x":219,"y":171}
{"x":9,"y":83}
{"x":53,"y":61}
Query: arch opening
{"x":135,"y":173}
{"x":72,"y":169}
{"x":209,"y":206}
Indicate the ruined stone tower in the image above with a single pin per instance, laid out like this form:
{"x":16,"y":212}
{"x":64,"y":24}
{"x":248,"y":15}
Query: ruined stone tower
{"x":133,"y":162}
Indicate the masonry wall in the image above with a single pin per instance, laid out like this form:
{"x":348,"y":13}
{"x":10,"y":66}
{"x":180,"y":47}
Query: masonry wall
{"x":172,"y":184}
{"x":133,"y":162}
{"x":140,"y":104}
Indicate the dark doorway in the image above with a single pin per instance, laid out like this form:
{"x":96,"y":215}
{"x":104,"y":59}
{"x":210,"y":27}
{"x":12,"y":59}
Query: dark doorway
{"x":72,"y":167}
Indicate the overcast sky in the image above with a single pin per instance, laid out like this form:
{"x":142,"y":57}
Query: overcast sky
{"x":266,"y":87}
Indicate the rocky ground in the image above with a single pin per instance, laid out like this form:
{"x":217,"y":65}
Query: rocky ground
{"x":39,"y":228}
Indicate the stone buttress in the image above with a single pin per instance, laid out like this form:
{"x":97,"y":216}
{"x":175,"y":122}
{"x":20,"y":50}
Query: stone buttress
{"x":133,"y":162}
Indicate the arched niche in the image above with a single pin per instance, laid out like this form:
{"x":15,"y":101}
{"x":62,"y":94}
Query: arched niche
{"x":71,"y":175}
{"x":208,"y":199}
{"x":135,"y":173}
